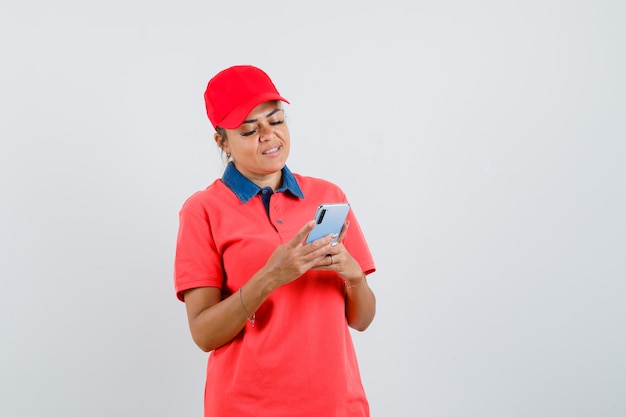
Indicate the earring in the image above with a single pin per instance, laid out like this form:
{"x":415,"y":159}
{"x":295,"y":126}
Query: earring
{"x":228,"y":155}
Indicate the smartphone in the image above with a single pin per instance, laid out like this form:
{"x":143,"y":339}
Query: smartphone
{"x":329,"y":218}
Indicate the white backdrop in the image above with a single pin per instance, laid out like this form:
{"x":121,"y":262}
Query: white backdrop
{"x":481,"y":144}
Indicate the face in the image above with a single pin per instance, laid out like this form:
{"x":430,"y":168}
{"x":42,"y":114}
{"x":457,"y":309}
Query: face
{"x":260,"y":146}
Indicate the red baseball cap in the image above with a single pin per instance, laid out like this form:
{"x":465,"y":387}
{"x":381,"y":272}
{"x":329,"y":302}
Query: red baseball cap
{"x":232,"y":94}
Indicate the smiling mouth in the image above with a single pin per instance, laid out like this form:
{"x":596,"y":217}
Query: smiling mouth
{"x":271,"y":150}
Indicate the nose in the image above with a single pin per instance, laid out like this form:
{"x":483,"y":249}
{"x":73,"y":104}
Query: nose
{"x":266,"y":131}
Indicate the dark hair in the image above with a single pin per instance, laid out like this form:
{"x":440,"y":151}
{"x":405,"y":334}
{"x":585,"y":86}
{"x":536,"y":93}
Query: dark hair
{"x":222,"y":132}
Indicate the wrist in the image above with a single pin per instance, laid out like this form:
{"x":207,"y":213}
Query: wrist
{"x":265,"y":283}
{"x":349,"y":283}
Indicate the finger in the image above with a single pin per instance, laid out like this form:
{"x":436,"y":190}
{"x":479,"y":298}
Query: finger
{"x":344,"y":229}
{"x":302,"y":233}
{"x":319,"y":248}
{"x":326,"y":262}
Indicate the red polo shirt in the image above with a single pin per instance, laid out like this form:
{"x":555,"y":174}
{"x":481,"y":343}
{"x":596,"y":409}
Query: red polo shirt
{"x":299,"y":359}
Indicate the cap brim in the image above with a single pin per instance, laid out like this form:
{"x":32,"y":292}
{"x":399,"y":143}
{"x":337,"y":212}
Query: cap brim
{"x":238,"y":115}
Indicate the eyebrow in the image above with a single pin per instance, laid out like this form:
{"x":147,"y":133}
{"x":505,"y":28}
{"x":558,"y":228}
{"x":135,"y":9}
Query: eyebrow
{"x":266,"y":116}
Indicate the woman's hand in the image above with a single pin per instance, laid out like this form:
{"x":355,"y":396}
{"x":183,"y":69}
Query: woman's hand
{"x":338,"y":259}
{"x":292,"y":259}
{"x":360,"y":300}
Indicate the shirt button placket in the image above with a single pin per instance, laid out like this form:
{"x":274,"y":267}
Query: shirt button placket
{"x":279,"y":222}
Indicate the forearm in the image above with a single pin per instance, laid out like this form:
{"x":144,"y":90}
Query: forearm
{"x":219,"y":323}
{"x":360,"y":304}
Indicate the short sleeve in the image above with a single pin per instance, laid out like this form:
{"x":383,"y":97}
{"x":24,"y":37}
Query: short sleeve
{"x":197,"y":261}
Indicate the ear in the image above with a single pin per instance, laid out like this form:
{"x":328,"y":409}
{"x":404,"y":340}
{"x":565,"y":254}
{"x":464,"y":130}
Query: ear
{"x":221,"y":142}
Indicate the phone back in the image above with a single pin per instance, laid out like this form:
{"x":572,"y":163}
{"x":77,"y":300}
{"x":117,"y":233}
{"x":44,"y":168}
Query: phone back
{"x":329,"y":218}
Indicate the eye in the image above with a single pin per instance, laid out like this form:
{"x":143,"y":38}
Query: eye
{"x":248,"y":133}
{"x":276,"y":118}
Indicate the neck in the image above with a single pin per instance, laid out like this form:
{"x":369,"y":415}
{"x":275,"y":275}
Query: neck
{"x":273,"y":180}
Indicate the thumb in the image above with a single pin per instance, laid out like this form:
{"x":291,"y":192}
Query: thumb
{"x":302,"y":233}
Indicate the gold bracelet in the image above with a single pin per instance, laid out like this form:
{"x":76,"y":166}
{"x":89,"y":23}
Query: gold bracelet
{"x":354,"y":285}
{"x":250,"y":319}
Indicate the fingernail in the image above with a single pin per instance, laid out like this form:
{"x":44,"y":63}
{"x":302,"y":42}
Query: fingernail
{"x":335,"y":235}
{"x":333,"y":244}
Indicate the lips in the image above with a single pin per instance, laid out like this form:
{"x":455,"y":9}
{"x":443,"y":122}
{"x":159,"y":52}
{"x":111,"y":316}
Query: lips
{"x":271,"y":150}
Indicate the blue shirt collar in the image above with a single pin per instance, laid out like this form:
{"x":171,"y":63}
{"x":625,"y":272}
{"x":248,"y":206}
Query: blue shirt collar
{"x":245,"y":189}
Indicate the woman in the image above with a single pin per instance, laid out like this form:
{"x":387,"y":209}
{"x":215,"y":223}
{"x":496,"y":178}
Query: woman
{"x":274,"y":312}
